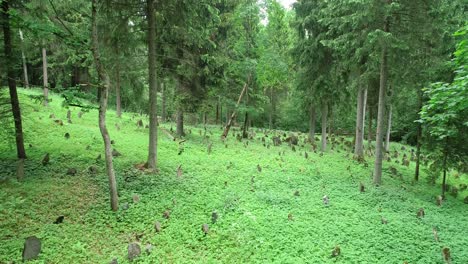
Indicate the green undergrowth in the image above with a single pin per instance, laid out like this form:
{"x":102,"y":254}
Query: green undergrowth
{"x":253,"y":206}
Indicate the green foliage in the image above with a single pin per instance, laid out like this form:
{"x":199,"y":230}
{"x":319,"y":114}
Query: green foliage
{"x":253,"y":226}
{"x":446,"y":110}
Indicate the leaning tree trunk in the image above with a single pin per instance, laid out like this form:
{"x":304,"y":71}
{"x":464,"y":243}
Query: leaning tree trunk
{"x":389,"y":129}
{"x":231,"y":119}
{"x":359,"y":137}
{"x":381,"y":112}
{"x":104,"y":92}
{"x":324,"y":126}
{"x":153,"y":92}
{"x":364,"y":107}
{"x":45,"y":77}
{"x":180,"y":122}
{"x":15,"y":107}
{"x":312,"y":116}
{"x":23,"y":57}
{"x":418,"y":138}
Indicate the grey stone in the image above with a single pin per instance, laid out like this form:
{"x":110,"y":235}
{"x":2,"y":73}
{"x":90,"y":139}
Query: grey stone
{"x":134,"y":251}
{"x":32,"y":248}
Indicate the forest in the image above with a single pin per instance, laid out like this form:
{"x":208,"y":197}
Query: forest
{"x":234,"y":131}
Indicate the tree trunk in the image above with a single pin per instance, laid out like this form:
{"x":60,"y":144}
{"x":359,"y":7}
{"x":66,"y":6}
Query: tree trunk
{"x":25,"y":67}
{"x":104,"y":88}
{"x":118,"y":100}
{"x":312,"y":116}
{"x":444,"y":179}
{"x":369,"y":129}
{"x":364,"y":115}
{"x":153,"y":92}
{"x":163,"y":102}
{"x":324,"y":126}
{"x":359,"y":137}
{"x":217,"y":111}
{"x":180,"y":122}
{"x":234,"y":112}
{"x":45,"y":77}
{"x":389,"y":129}
{"x":272,"y":120}
{"x":331,"y":121}
{"x":381,"y":113}
{"x":418,"y":138}
{"x":15,"y":107}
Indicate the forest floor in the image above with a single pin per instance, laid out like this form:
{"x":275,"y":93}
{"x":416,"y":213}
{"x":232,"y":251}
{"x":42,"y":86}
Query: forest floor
{"x":273,"y":216}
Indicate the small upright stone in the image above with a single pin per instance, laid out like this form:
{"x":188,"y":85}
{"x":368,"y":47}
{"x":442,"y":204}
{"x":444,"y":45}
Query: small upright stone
{"x":134,"y":251}
{"x":157,"y":227}
{"x":32,"y":248}
{"x":114,"y":261}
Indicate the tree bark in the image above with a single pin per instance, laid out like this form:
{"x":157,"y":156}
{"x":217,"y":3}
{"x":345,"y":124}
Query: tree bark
{"x":418,"y":137}
{"x":324,"y":126}
{"x":118,"y":100}
{"x":23,"y":57}
{"x":180,"y":122}
{"x":359,"y":136}
{"x":364,"y":115}
{"x":15,"y":107}
{"x":230,"y":120}
{"x":389,"y":129}
{"x":45,"y":77}
{"x":312,"y":116}
{"x":153,"y":92}
{"x":272,"y":120}
{"x":369,"y":129}
{"x":163,"y":102}
{"x":217,"y":111}
{"x":104,"y":88}
{"x":246,"y":118}
{"x":381,"y":112}
{"x":444,"y":179}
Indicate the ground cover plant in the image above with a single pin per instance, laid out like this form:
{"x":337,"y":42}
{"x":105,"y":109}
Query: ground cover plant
{"x":268,"y":200}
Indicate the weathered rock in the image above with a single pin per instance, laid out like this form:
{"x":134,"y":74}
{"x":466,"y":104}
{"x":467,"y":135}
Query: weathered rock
{"x":465,"y":200}
{"x":157,"y":227}
{"x":32,"y":248}
{"x":116,"y":153}
{"x":134,"y":251}
{"x":46,"y":159}
{"x":136,"y":198}
{"x":114,"y":261}
{"x":148,"y":248}
{"x":93,"y":169}
{"x":205,"y":229}
{"x":67,"y":135}
{"x":59,"y":220}
{"x":214,"y":217}
{"x":72,"y":171}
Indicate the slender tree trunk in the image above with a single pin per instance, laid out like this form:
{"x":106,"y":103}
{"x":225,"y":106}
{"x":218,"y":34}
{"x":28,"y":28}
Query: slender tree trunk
{"x":324,"y":126}
{"x":331,"y":120}
{"x":359,"y":144}
{"x":369,"y":130}
{"x":15,"y":106}
{"x":25,"y":67}
{"x":180,"y":122}
{"x":217,"y":111}
{"x":381,"y":112}
{"x":272,"y":117}
{"x":389,"y":129}
{"x":163,"y":102}
{"x":234,"y":112}
{"x":312,"y":116}
{"x":45,"y":77}
{"x":246,"y":118}
{"x":444,"y":179}
{"x":153,"y":89}
{"x":104,"y":88}
{"x":364,"y":115}
{"x":418,"y":138}
{"x":118,"y":100}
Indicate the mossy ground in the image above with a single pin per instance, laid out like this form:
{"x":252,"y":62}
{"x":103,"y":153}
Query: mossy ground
{"x":253,"y":225}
